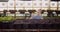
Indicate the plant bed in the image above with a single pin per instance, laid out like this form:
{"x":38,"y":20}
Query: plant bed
{"x":36,"y":26}
{"x":6,"y":19}
{"x":6,"y":22}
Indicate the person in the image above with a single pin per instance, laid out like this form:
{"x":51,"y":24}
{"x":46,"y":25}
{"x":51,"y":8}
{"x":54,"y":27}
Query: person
{"x":37,"y":15}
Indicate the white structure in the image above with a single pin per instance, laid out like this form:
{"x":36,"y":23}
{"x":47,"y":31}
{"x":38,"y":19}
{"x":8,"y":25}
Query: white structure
{"x":27,"y":5}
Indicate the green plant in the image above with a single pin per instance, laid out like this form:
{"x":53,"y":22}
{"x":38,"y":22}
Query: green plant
{"x":6,"y":18}
{"x":1,"y":19}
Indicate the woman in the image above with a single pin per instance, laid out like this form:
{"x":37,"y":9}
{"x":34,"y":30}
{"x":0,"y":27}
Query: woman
{"x":37,"y":15}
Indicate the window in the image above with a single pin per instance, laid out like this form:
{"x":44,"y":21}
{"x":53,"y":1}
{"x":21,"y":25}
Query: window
{"x":40,"y":3}
{"x":11,"y":4}
{"x":16,"y":4}
{"x":35,"y":4}
{"x":46,"y":0}
{"x":40,"y":0}
{"x":12,"y":11}
{"x":22,"y":11}
{"x":58,"y":3}
{"x":21,"y":4}
{"x":46,"y":3}
{"x":3,"y":4}
{"x":28,"y":3}
{"x":53,"y":4}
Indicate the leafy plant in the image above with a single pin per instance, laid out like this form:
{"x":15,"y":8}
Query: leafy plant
{"x":6,"y":18}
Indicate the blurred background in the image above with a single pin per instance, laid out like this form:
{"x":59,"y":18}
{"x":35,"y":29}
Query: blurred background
{"x":12,"y":11}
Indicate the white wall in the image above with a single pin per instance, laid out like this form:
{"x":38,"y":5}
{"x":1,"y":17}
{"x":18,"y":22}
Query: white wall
{"x":58,"y":8}
{"x":1,"y":9}
{"x":53,"y":8}
{"x":29,"y":5}
{"x":19,"y":8}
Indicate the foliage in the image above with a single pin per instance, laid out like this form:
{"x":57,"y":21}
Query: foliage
{"x":6,"y":18}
